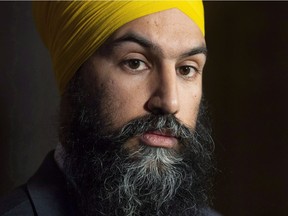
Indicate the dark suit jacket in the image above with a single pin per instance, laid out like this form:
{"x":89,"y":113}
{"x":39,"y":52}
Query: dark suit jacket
{"x":45,"y":194}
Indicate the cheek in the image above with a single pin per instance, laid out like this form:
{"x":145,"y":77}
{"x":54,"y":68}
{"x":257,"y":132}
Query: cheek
{"x":189,"y":105}
{"x":123,"y":103}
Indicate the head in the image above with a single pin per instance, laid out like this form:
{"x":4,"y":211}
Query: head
{"x":132,"y":121}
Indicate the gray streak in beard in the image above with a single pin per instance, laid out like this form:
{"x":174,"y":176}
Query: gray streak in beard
{"x":152,"y":177}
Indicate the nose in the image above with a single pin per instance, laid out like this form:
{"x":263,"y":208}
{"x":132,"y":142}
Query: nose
{"x":164,"y":99}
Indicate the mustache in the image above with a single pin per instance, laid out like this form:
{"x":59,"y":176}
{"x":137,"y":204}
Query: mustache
{"x":163,"y":123}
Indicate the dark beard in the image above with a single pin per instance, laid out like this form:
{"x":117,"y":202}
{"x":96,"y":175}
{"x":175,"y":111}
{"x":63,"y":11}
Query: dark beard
{"x":108,"y":179}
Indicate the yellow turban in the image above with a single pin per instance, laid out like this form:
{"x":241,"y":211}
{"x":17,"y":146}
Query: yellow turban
{"x":73,"y":30}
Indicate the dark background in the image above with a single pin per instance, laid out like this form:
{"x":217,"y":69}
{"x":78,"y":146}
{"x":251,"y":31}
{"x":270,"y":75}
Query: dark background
{"x":245,"y":82}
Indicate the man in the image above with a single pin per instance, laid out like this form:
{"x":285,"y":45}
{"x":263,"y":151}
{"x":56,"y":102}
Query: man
{"x":133,"y":136}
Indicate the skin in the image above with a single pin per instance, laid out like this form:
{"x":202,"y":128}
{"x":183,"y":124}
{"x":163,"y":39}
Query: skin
{"x":152,"y":65}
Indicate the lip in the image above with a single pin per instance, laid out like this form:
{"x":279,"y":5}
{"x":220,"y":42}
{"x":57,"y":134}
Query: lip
{"x":159,"y":139}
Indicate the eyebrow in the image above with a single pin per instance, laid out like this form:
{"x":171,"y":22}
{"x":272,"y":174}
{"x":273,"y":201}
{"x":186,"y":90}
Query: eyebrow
{"x":195,"y":51}
{"x":132,"y":37}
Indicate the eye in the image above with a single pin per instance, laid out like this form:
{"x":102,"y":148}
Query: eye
{"x":135,"y":64}
{"x":187,"y":71}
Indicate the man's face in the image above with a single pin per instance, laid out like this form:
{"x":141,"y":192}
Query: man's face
{"x":152,"y":65}
{"x":130,"y":122}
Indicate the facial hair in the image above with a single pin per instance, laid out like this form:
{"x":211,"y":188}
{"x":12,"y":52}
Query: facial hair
{"x":108,"y":179}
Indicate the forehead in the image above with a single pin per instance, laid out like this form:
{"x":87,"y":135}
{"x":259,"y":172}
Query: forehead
{"x":169,"y":28}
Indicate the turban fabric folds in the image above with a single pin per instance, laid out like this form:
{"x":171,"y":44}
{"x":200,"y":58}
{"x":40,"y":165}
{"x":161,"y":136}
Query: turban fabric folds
{"x":73,"y":30}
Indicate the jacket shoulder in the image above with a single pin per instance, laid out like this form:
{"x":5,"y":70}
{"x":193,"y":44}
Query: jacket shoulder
{"x":16,"y":203}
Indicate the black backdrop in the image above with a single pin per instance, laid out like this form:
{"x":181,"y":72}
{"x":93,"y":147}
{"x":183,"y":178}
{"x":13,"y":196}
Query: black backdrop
{"x":245,"y":82}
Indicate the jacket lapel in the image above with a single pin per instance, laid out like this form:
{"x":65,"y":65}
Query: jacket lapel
{"x":47,"y":190}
